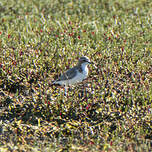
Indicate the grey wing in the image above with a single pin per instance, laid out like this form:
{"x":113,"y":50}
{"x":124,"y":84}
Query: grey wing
{"x":68,"y":74}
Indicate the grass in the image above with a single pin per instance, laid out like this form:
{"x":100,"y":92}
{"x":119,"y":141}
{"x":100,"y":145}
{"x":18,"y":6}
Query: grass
{"x":41,"y":39}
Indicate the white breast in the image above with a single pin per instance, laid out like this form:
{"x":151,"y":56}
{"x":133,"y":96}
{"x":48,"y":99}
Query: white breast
{"x":78,"y":78}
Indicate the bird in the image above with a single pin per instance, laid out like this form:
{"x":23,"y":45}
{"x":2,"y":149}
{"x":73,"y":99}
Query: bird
{"x":76,"y":74}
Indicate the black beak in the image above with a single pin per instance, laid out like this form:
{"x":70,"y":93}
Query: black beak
{"x":92,"y":64}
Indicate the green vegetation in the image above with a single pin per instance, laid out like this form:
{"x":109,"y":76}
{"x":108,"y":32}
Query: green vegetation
{"x":39,"y":39}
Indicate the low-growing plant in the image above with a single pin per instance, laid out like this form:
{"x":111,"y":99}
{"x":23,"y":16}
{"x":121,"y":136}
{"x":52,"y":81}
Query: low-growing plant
{"x":111,"y":110}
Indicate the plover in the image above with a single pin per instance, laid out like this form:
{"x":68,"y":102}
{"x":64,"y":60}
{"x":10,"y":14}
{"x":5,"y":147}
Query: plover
{"x":76,"y":74}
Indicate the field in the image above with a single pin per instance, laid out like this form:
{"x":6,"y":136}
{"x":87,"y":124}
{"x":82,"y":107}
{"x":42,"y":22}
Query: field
{"x":111,"y":110}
